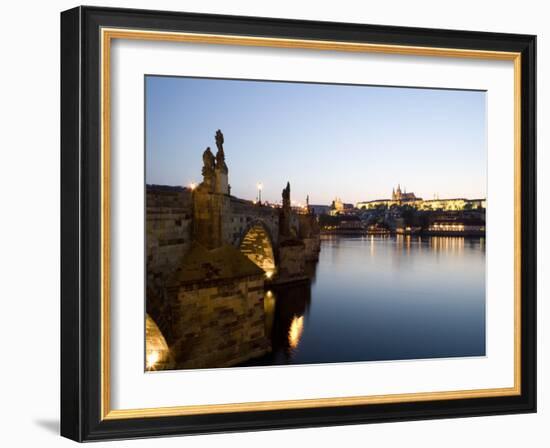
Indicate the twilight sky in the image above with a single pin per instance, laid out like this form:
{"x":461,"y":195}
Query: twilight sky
{"x":354,"y":142}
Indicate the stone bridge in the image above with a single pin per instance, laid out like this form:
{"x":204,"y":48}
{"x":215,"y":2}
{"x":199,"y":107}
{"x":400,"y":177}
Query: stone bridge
{"x":202,"y":244}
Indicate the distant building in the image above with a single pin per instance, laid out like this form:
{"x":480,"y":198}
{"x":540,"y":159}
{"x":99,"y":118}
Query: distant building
{"x":399,"y":197}
{"x":320,"y":209}
{"x":464,"y":225}
{"x":338,"y":207}
{"x":370,"y":205}
{"x":453,"y":204}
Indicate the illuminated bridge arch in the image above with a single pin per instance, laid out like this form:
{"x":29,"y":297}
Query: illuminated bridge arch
{"x":256,"y":243}
{"x":157,"y":353}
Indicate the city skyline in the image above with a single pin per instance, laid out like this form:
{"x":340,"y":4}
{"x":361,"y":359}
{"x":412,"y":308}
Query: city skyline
{"x":327,"y":140}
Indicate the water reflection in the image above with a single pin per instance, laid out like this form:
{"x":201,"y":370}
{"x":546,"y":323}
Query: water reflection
{"x":295,"y":331}
{"x":382,"y":298}
{"x":269,"y":309}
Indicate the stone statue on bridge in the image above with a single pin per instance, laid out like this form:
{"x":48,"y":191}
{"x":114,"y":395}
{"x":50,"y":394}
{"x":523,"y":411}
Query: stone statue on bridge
{"x":209,"y":163}
{"x":219,"y":140}
{"x":286,"y":196}
{"x":284,"y":219}
{"x":220,"y":155}
{"x":208,"y":168}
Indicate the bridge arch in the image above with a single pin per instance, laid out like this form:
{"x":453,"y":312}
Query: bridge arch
{"x":157,"y":353}
{"x":257,"y":244}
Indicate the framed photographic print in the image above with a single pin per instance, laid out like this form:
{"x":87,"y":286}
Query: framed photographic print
{"x":273,"y":223}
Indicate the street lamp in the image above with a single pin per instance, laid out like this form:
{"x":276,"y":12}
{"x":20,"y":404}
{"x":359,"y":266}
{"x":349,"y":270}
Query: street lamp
{"x":259,"y":186}
{"x":192,"y":186}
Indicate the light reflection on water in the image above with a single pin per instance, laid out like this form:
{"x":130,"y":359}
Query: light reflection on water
{"x":295,"y":331}
{"x":382,"y":298}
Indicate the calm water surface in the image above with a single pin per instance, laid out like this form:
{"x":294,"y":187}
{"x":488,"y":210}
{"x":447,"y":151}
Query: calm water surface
{"x":377,"y":298}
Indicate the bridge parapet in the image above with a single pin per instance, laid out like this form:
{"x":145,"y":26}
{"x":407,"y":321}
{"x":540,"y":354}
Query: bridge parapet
{"x":169,"y":215}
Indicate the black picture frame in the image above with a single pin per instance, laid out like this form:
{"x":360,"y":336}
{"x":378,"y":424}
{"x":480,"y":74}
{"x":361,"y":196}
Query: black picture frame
{"x":81,"y":224}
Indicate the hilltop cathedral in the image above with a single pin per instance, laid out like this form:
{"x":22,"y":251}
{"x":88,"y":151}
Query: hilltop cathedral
{"x":398,"y":196}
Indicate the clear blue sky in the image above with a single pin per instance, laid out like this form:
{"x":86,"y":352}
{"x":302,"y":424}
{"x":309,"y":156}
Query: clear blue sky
{"x":354,"y":142}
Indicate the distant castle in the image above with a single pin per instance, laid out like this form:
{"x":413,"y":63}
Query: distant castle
{"x":399,"y":197}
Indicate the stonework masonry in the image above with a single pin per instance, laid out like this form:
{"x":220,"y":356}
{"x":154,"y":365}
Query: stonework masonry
{"x":244,"y":215}
{"x":168,"y":232}
{"x":217,"y":309}
{"x":209,"y":256}
{"x":292,"y":261}
{"x":210,"y":211}
{"x":312,"y":247}
{"x":222,"y":324}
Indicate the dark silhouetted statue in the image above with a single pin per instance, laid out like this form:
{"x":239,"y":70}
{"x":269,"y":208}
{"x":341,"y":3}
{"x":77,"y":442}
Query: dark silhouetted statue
{"x":286,"y":196}
{"x":220,"y":155}
{"x":209,"y":165}
{"x":284,"y":220}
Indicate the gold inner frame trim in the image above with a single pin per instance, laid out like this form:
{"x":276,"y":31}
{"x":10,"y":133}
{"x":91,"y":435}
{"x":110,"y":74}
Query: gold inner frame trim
{"x":107,"y":35}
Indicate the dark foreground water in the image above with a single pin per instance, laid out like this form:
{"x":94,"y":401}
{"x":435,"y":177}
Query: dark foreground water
{"x":382,"y":298}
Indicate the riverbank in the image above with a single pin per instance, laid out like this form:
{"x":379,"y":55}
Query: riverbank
{"x":367,"y":232}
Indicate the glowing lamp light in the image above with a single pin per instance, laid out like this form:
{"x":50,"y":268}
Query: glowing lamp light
{"x":192,"y":186}
{"x":269,"y":274}
{"x":260,"y":186}
{"x":152,"y":360}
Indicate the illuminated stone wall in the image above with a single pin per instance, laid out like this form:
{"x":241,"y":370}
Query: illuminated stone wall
{"x":456,"y":204}
{"x":157,"y":353}
{"x":222,"y":324}
{"x":245,"y":214}
{"x":444,"y":204}
{"x":257,"y":246}
{"x":217,"y":309}
{"x":211,"y":212}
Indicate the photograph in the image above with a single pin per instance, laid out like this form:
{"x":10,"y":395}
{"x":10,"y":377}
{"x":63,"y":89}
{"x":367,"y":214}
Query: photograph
{"x":283,"y":221}
{"x":294,"y":223}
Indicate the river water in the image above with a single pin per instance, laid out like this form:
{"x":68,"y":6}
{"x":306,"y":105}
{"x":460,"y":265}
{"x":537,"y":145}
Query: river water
{"x":375,"y":298}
